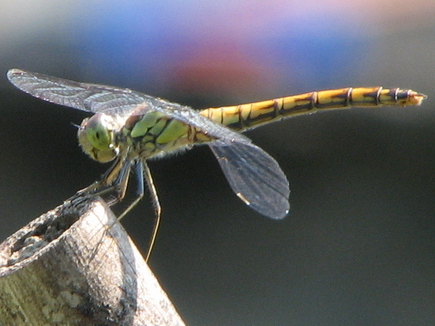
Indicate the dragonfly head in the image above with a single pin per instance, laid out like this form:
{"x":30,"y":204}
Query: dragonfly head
{"x":96,"y":137}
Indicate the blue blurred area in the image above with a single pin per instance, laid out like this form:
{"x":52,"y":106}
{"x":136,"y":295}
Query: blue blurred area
{"x":225,"y":49}
{"x":159,"y":46}
{"x":317,"y":51}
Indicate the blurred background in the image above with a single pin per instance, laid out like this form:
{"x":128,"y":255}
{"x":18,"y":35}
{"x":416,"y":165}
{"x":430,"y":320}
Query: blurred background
{"x":358,"y":247}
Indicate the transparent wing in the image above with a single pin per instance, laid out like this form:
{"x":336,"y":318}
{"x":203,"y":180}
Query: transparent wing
{"x":82,"y":96}
{"x":255,"y":177}
{"x":113,"y":101}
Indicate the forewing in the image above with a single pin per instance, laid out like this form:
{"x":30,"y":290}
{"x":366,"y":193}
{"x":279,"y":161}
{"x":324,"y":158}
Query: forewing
{"x":113,"y":101}
{"x":87,"y":97}
{"x":255,"y":177}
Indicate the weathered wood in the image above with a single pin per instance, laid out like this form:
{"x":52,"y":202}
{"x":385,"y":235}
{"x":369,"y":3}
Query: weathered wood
{"x":76,"y":265}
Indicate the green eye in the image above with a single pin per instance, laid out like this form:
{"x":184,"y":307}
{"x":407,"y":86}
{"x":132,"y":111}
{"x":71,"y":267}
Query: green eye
{"x":96,"y":138}
{"x":97,"y":133}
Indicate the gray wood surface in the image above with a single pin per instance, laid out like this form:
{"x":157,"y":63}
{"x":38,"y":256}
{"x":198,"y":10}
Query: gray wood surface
{"x":76,"y":265}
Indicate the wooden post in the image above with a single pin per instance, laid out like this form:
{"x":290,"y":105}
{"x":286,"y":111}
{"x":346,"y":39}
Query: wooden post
{"x":76,"y":265}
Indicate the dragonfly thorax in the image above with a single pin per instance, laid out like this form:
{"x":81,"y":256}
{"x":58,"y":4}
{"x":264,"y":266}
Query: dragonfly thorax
{"x":96,"y":137}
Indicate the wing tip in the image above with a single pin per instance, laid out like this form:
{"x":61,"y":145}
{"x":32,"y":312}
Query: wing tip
{"x":12,"y":73}
{"x":15,"y":71}
{"x":280,"y":216}
{"x":277,"y":212}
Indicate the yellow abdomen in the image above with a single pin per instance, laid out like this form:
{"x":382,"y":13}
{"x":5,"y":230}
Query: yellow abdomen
{"x":245,"y":116}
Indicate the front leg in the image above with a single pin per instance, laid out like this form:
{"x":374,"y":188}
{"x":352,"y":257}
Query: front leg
{"x":114,"y":180}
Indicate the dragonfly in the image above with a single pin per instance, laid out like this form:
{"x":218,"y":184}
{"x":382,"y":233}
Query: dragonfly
{"x":129,"y":127}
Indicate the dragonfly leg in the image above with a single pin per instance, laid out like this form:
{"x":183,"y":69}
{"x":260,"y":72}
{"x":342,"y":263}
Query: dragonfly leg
{"x":142,"y":171}
{"x":140,"y":188}
{"x":120,"y":184}
{"x":156,"y":204}
{"x":115,"y":179}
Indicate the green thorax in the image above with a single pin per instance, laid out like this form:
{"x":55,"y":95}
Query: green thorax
{"x":154,"y":133}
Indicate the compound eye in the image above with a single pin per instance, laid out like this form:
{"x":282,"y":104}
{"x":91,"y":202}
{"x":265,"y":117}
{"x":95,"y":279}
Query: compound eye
{"x":98,"y":133}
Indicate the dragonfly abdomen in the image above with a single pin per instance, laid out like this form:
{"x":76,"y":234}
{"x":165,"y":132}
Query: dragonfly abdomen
{"x":246,"y":116}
